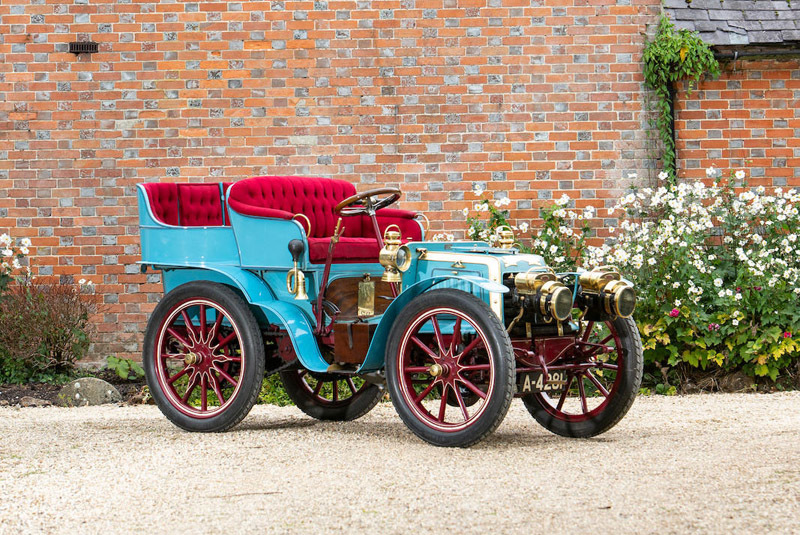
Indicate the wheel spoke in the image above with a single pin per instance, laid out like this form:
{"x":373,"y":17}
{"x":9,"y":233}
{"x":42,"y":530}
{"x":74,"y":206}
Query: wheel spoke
{"x":203,"y":394}
{"x":222,"y":357}
{"x":190,"y":388}
{"x":335,"y":391}
{"x":438,"y":332}
{"x":475,"y":390}
{"x":443,"y":403}
{"x":179,"y":338}
{"x":565,"y":392}
{"x":417,"y":369}
{"x":476,"y":367}
{"x":215,"y":328}
{"x":425,"y":348}
{"x":596,"y":383}
{"x":456,"y":339}
{"x":425,"y":392}
{"x":461,"y":403}
{"x":215,"y":386}
{"x":202,"y":321}
{"x":584,"y":407}
{"x":189,"y":325}
{"x":227,"y":340}
{"x":318,"y":388}
{"x":178,"y":375}
{"x":225,"y":376}
{"x":472,"y":345}
{"x":351,"y":385}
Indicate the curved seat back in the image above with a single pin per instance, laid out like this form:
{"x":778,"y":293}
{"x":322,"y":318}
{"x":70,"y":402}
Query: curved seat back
{"x":313,"y":197}
{"x":186,"y":205}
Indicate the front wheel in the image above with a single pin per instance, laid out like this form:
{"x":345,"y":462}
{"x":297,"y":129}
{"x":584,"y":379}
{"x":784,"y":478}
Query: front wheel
{"x":450,"y":368}
{"x":604,"y":372}
{"x":203,"y":357}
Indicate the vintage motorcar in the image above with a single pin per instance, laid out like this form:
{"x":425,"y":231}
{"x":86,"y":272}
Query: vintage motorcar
{"x":344,"y":297}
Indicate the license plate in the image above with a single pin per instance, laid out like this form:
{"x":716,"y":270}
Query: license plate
{"x":530,"y":382}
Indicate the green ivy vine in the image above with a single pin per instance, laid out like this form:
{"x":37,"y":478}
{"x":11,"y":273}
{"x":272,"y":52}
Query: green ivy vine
{"x":673,"y":56}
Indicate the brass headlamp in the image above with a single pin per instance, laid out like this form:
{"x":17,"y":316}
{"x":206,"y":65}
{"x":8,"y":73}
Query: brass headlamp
{"x":394,"y":257}
{"x":552,"y":298}
{"x":617,"y":296}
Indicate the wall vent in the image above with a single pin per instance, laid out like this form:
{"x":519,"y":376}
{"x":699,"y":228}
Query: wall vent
{"x":83,"y":47}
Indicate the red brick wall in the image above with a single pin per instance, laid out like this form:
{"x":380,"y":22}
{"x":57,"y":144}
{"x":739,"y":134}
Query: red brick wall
{"x":747,"y":119}
{"x":531,"y":98}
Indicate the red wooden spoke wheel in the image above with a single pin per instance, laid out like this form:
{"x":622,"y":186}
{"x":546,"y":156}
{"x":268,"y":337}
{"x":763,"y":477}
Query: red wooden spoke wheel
{"x":204,"y":358}
{"x":329,"y":396}
{"x":449,"y":368}
{"x":603,"y":375}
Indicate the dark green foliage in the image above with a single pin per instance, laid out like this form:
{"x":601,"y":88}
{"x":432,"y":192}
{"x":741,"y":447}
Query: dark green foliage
{"x":126,"y":369}
{"x":44,"y":331}
{"x":673,"y":56}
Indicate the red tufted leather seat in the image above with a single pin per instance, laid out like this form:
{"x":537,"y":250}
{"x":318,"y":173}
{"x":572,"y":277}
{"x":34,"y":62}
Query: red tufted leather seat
{"x":188,"y":205}
{"x":282,"y":197}
{"x":199,"y":205}
{"x":164,"y":202}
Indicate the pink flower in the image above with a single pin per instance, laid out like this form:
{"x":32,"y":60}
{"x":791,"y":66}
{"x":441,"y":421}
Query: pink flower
{"x":674,"y":313}
{"x":787,"y":334}
{"x":713,"y":326}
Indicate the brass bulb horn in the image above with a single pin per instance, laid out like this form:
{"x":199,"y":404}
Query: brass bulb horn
{"x":295,"y":279}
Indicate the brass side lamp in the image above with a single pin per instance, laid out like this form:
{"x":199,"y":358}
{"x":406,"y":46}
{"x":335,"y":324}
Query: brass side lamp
{"x":394,"y":257}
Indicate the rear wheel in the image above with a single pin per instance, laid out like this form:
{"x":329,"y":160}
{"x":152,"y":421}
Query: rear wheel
{"x":604,"y":372}
{"x":329,"y":396}
{"x":449,"y":368}
{"x":203,"y":357}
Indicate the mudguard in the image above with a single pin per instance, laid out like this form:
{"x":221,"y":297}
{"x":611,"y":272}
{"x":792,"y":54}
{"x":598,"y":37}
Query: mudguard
{"x":377,"y":347}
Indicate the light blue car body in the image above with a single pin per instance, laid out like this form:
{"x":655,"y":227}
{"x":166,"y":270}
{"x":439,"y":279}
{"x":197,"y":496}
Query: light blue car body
{"x":251,"y":256}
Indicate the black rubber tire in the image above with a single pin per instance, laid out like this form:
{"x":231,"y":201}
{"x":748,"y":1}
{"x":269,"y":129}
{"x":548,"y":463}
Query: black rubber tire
{"x":351,"y":408}
{"x":251,"y":343}
{"x":618,"y":405}
{"x":503,"y":361}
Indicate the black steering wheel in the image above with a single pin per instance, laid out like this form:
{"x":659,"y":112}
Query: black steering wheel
{"x":363,"y":203}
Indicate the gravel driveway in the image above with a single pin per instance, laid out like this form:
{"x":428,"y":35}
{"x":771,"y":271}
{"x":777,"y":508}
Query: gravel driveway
{"x":707,"y":463}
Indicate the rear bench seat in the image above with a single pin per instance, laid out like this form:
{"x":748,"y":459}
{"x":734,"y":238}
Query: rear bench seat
{"x":282,"y":198}
{"x":188,"y":205}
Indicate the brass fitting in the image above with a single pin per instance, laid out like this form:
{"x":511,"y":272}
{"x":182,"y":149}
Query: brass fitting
{"x":551,"y":296}
{"x":618,"y":297}
{"x":394,"y":257}
{"x":505,"y":236}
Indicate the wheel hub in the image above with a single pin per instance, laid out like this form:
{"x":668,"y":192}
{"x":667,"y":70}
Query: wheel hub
{"x":192,"y":358}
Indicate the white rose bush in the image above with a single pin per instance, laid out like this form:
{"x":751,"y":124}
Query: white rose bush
{"x":716,"y":269}
{"x":11,"y":258}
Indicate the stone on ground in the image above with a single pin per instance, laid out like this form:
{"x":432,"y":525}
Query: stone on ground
{"x":29,"y":401}
{"x":88,"y":391}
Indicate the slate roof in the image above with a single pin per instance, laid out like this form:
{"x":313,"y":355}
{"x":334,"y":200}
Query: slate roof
{"x":739,"y":23}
